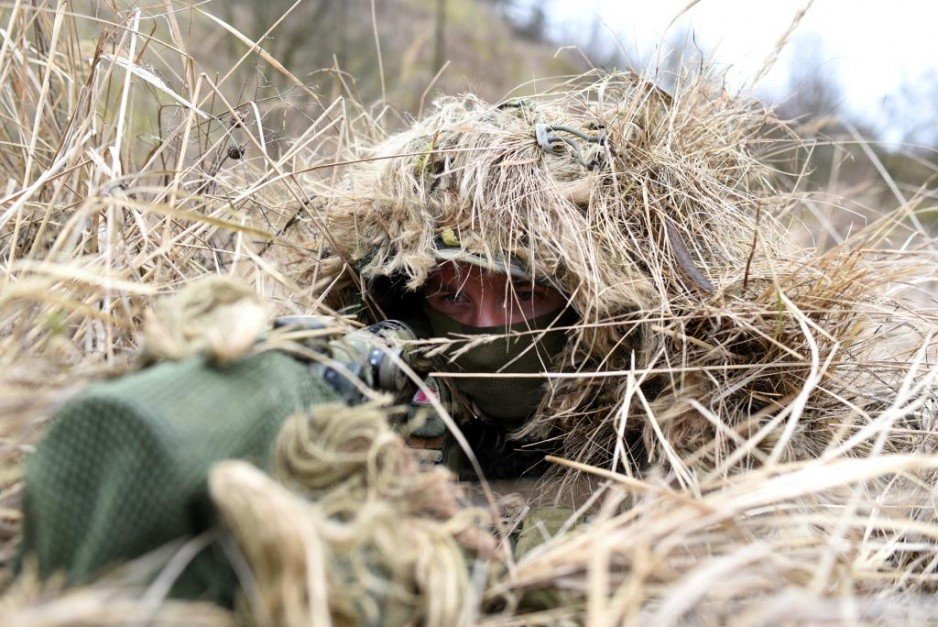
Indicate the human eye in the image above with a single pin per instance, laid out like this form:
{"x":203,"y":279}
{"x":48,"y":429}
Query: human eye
{"x":444,"y":299}
{"x":528,"y":295}
{"x":452,"y":298}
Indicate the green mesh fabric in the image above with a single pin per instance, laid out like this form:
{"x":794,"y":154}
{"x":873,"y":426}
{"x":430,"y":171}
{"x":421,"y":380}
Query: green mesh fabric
{"x":123,"y":467}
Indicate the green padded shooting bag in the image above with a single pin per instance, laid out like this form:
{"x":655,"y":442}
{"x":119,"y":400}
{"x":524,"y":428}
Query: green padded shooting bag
{"x":122,"y":469}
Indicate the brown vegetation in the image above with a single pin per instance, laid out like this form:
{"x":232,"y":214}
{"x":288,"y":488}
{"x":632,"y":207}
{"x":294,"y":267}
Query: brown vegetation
{"x":131,"y":170}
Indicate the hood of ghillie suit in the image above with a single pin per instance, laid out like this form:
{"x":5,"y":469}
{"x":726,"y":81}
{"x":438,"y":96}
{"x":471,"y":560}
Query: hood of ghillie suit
{"x":658,"y":217}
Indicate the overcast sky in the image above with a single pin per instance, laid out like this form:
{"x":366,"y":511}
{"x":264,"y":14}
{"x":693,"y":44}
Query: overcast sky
{"x":871,"y":47}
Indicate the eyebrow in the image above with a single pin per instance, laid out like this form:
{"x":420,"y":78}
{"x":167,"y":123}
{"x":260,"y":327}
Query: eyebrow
{"x":435,"y":282}
{"x":431,"y":288}
{"x":526,"y":287}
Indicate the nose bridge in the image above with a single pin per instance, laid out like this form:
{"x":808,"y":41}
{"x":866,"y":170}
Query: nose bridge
{"x":488,"y":310}
{"x":486,"y":316}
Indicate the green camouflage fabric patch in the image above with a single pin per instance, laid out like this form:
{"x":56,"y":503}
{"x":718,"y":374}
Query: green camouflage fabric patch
{"x":123,"y":467}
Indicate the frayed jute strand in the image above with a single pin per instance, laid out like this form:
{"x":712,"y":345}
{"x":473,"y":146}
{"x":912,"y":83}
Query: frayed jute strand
{"x":366,"y":537}
{"x":214,"y":316}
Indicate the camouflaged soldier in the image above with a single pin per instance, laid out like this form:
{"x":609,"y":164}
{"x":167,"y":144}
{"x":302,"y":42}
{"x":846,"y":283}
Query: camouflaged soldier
{"x":501,"y":323}
{"x":502,"y":298}
{"x":122,"y":470}
{"x":508,"y":236}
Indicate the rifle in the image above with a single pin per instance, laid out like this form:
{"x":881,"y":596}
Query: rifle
{"x":122,"y":469}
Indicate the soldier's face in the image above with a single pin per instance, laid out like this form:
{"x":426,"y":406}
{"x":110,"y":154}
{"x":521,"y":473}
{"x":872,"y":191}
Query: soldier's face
{"x":476,"y":297}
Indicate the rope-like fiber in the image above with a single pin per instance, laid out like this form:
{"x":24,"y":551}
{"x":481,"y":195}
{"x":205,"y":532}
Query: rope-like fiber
{"x":374,"y":538}
{"x":213,"y":316}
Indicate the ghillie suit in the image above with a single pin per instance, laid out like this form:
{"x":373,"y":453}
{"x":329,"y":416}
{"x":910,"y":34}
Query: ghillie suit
{"x":708,"y":341}
{"x":757,"y":389}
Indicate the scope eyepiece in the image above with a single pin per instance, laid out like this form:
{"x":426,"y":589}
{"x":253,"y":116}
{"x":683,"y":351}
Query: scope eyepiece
{"x":369,"y":356}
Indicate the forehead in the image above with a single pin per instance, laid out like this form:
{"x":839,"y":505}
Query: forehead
{"x":459,"y":272}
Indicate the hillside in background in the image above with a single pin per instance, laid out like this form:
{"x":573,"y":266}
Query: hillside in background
{"x":402,"y":51}
{"x":405,"y":52}
{"x":281,"y":64}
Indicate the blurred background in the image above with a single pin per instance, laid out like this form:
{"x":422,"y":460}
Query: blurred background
{"x":873,"y":63}
{"x":859,"y":80}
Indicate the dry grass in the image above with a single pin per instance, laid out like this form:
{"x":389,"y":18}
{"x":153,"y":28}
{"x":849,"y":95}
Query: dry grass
{"x":759,"y":448}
